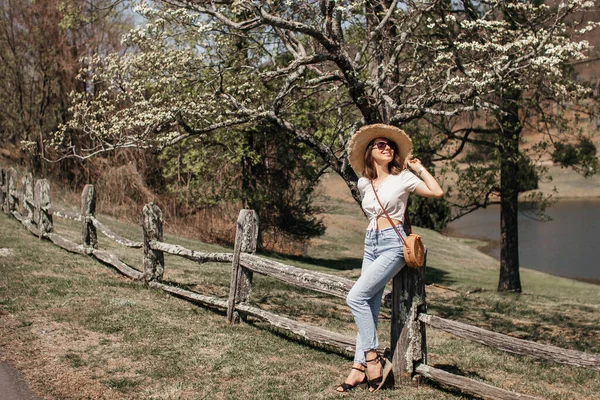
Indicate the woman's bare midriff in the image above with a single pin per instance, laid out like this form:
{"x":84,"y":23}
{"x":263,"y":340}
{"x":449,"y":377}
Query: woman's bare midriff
{"x":383,"y":222}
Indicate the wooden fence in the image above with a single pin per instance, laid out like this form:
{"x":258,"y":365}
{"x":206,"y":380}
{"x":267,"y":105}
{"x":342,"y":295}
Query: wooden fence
{"x":31,"y":205}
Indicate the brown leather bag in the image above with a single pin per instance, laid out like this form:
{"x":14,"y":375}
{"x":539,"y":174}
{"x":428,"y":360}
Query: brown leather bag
{"x":414,"y":249}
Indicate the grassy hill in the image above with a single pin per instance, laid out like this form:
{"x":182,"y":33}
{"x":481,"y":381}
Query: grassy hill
{"x":77,"y":329}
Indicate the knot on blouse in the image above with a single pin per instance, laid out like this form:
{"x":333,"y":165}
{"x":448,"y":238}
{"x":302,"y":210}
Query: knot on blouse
{"x":373,"y":220}
{"x":393,"y":195}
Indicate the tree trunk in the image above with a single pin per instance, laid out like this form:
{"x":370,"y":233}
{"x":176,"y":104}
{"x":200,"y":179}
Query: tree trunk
{"x":509,"y":196}
{"x":509,"y":254}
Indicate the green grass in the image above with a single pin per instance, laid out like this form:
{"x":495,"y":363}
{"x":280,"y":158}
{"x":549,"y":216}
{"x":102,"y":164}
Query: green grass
{"x":104,"y":336}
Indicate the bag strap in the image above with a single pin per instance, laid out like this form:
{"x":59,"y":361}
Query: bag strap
{"x":388,"y":215}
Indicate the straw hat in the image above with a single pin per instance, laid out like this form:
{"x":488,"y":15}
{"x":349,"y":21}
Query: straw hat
{"x":359,"y":141}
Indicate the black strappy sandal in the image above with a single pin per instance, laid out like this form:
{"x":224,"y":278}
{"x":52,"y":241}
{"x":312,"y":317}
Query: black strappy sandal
{"x":346,"y":387}
{"x":377,"y":383}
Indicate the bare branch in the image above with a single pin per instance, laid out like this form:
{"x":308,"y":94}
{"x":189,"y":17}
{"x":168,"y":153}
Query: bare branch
{"x":298,"y":62}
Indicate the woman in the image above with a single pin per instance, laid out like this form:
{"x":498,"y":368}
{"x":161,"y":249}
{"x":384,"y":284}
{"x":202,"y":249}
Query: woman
{"x":380,"y":153}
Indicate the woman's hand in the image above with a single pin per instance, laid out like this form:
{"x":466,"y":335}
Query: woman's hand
{"x":430,"y":186}
{"x":413,"y":163}
{"x":416,"y":165}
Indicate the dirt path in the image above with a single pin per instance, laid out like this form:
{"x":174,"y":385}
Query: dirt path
{"x":12,"y":385}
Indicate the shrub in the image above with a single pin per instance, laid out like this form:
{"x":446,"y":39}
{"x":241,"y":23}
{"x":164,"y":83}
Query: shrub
{"x":569,"y":154}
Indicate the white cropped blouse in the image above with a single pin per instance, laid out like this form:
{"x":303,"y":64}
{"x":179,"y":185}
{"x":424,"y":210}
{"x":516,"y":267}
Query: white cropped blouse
{"x":393,"y":193}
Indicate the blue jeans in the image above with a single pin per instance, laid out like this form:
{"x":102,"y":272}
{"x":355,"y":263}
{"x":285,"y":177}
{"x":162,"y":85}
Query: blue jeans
{"x":382,"y":260}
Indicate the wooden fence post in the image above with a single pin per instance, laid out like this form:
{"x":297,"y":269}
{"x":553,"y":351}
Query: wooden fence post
{"x":154,"y":260}
{"x":27,"y":206}
{"x":11,"y":192}
{"x":246,"y":236}
{"x":89,"y":237}
{"x":42,"y":207}
{"x":2,"y":188}
{"x":408,"y":333}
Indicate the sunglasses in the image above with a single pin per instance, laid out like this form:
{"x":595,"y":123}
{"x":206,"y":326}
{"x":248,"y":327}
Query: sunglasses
{"x":382,"y":145}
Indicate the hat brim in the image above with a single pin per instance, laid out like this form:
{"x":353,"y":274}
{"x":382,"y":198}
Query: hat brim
{"x":361,"y":139}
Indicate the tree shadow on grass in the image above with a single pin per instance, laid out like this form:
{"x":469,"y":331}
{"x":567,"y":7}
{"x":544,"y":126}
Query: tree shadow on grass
{"x":453,"y":369}
{"x":338,"y":264}
{"x":520,"y":319}
{"x":302,"y":341}
{"x":437,"y":276}
{"x":432,"y":274}
{"x":450,"y":310}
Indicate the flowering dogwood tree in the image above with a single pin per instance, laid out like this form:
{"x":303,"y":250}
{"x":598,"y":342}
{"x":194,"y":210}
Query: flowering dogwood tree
{"x":528,"y":49}
{"x":317,"y":70}
{"x":364,"y":62}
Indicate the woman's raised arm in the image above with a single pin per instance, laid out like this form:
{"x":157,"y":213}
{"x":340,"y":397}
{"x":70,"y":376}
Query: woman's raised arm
{"x":430,"y":186}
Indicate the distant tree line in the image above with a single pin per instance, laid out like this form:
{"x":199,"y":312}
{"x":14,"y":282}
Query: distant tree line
{"x":43,"y":47}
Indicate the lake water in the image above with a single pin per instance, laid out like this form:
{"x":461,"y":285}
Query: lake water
{"x":568,"y":245}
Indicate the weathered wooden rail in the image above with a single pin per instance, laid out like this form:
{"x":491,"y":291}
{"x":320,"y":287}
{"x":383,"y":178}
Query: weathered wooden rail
{"x":244,"y":263}
{"x":409,"y":317}
{"x":513,"y":345}
{"x":37,"y":215}
{"x":320,"y":282}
